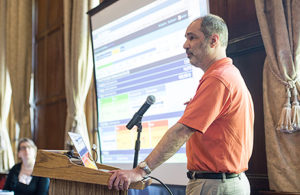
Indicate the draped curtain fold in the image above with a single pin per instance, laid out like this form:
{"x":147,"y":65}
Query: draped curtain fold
{"x":12,"y":133}
{"x":280,"y":29}
{"x":19,"y":59}
{"x":78,"y":64}
{"x":6,"y":153}
{"x":91,"y":116}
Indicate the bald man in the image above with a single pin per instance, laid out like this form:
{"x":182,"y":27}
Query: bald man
{"x":217,"y":124}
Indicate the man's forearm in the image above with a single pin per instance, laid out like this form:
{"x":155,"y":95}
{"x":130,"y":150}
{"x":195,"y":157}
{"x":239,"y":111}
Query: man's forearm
{"x":170,"y":143}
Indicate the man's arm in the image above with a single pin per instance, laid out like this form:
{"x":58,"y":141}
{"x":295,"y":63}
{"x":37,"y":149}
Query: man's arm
{"x":170,"y":143}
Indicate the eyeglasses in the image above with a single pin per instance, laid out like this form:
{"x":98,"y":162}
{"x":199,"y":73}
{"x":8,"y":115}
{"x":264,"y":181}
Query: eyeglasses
{"x":22,"y":148}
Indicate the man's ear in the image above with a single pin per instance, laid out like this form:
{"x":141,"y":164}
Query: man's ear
{"x":214,"y":40}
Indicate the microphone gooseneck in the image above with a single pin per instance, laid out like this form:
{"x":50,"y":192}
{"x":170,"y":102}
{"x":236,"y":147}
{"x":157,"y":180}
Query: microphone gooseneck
{"x":139,"y":114}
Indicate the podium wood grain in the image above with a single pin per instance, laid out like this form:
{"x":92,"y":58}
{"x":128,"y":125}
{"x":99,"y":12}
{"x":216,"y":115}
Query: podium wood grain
{"x":65,"y":187}
{"x":66,"y":175}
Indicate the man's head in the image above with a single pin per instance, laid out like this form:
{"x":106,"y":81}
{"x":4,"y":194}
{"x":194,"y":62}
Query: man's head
{"x":206,"y":41}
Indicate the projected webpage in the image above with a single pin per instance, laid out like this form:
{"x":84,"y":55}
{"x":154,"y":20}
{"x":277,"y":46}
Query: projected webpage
{"x":138,"y":55}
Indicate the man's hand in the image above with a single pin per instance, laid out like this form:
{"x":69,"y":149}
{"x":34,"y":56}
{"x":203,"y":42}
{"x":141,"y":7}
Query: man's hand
{"x":170,"y":143}
{"x":121,"y":179}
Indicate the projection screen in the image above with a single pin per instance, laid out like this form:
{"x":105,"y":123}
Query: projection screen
{"x":137,"y":47}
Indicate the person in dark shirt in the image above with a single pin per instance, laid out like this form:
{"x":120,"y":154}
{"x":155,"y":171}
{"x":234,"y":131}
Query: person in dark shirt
{"x":20,"y":179}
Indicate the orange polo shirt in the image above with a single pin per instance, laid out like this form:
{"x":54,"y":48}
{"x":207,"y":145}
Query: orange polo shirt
{"x":222,"y":113}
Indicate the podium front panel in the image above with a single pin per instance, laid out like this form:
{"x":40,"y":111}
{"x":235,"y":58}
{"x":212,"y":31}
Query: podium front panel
{"x":62,"y":187}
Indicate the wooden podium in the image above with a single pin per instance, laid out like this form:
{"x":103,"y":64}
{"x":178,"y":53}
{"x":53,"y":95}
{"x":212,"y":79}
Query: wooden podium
{"x":66,"y":177}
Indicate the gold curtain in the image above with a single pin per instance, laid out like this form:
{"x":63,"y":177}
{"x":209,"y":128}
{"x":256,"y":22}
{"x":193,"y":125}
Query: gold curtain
{"x":280,"y":28}
{"x":19,"y":59}
{"x":6,"y":153}
{"x":91,"y":117}
{"x":11,"y":125}
{"x":78,"y":64}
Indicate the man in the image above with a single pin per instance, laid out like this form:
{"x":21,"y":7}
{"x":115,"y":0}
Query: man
{"x":217,"y":123}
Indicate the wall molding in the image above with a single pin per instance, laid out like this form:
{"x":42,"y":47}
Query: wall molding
{"x":245,"y":44}
{"x":50,"y":100}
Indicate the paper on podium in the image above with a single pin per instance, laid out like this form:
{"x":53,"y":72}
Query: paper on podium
{"x":82,"y":150}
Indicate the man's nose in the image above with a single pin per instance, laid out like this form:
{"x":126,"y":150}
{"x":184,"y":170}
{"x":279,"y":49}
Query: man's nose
{"x":186,"y":45}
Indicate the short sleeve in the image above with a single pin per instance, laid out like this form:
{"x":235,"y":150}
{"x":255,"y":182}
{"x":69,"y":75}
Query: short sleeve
{"x":210,"y":102}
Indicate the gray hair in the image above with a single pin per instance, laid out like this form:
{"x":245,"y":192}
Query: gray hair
{"x":212,"y":24}
{"x":31,"y":143}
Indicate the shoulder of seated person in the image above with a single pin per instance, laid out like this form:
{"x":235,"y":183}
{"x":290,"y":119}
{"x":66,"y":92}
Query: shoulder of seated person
{"x":16,"y":167}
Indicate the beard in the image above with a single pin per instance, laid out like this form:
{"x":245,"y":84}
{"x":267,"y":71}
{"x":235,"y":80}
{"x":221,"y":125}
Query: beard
{"x":198,"y":55}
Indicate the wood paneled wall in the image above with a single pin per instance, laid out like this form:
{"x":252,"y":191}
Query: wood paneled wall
{"x":247,"y":51}
{"x":49,"y":75}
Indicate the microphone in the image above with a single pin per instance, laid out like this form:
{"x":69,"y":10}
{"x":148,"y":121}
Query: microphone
{"x":139,"y":114}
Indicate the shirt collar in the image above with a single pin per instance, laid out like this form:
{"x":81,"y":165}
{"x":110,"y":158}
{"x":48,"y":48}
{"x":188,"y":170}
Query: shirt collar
{"x":217,"y":63}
